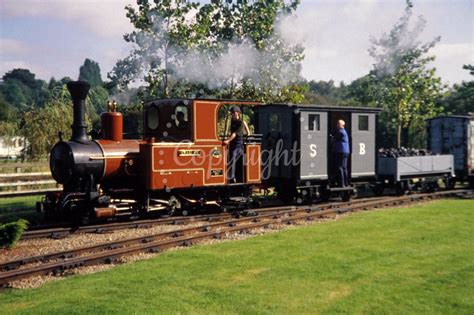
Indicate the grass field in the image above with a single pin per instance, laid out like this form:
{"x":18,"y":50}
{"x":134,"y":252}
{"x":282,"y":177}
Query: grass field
{"x":398,"y":261}
{"x":12,"y":209}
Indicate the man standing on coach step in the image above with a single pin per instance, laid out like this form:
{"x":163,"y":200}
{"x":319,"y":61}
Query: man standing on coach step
{"x":235,"y":141}
{"x":342,"y":153}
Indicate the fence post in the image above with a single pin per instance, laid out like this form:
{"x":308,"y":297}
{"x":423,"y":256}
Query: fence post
{"x":18,"y":169}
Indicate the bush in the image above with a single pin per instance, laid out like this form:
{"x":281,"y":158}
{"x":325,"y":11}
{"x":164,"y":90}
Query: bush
{"x":11,"y":232}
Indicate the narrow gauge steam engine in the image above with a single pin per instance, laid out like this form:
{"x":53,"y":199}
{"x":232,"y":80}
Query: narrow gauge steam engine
{"x":177,"y":166}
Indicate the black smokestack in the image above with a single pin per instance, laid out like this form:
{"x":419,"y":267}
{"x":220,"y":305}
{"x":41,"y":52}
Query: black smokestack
{"x":79,"y":90}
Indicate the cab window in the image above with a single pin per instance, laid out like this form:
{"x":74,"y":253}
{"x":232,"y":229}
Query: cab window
{"x":153,"y":118}
{"x":224,"y":119}
{"x":181,"y":118}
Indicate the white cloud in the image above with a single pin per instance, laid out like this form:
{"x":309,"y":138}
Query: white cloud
{"x":463,"y":51}
{"x":337,"y":37}
{"x":105,"y":18}
{"x":450,"y":58}
{"x":39,"y":71}
{"x":12,"y":46}
{"x":337,"y":33}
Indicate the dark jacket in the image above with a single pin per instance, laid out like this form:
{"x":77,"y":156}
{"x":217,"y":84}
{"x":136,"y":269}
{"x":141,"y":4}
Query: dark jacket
{"x":342,"y":141}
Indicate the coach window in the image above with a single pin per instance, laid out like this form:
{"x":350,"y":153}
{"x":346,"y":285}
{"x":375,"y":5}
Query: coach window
{"x":363,"y":122}
{"x":313,"y":122}
{"x":274,"y":122}
{"x":181,"y":116}
{"x":153,"y":117}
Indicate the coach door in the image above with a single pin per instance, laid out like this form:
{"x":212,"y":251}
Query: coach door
{"x":333,"y":118}
{"x":313,"y":135}
{"x":363,"y":144}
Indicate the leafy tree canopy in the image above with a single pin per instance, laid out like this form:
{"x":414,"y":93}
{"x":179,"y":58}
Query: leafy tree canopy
{"x":21,"y":90}
{"x":22,"y":75}
{"x":405,"y":86}
{"x":221,"y":48}
{"x":90,"y":72}
{"x":460,"y":100}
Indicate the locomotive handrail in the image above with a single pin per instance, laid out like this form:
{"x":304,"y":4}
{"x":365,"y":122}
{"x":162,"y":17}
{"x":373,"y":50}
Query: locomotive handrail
{"x":255,"y":138}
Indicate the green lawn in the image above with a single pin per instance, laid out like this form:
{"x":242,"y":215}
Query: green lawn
{"x":12,"y":209}
{"x":400,"y":261}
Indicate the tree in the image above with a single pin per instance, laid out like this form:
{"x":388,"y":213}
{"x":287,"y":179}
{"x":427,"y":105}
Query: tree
{"x":8,"y":131}
{"x":160,"y":29}
{"x":406,"y":88}
{"x":90,"y":72}
{"x":223,"y":48}
{"x":7,"y":112}
{"x":17,"y":94}
{"x":460,"y":101}
{"x":22,"y":90}
{"x":96,"y":104}
{"x":23,"y":75}
{"x":253,"y":59}
{"x":98,"y":94}
{"x":42,"y":125}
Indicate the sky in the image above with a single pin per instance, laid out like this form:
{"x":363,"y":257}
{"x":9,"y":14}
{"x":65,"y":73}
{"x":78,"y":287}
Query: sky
{"x":52,"y":38}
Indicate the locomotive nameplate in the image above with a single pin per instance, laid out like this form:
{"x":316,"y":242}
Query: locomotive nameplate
{"x":189,"y":152}
{"x":219,"y":172}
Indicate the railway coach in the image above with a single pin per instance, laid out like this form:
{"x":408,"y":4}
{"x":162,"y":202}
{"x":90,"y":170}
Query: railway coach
{"x":300,"y":138}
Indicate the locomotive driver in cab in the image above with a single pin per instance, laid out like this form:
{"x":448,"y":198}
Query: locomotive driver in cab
{"x":236,"y":140}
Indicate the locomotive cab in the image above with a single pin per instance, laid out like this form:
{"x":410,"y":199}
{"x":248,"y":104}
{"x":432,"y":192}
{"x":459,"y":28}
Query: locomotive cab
{"x":184,"y":157}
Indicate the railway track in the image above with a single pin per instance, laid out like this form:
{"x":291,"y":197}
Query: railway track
{"x":65,"y":231}
{"x":59,"y":262}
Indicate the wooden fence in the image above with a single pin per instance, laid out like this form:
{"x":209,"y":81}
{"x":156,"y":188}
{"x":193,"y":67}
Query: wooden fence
{"x":23,"y":179}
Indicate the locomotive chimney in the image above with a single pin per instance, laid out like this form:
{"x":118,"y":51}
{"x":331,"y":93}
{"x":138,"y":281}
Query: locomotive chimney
{"x":79,"y":90}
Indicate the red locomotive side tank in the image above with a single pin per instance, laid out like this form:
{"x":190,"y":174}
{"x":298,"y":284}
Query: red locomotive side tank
{"x":112,"y":123}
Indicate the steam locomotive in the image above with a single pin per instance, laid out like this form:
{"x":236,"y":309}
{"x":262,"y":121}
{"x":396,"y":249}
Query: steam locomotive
{"x":180,"y":163}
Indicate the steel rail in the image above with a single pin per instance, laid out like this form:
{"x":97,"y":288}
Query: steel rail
{"x":62,"y":232}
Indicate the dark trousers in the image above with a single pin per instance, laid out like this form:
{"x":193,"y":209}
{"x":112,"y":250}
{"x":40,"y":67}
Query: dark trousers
{"x":341,"y":163}
{"x":235,"y":155}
